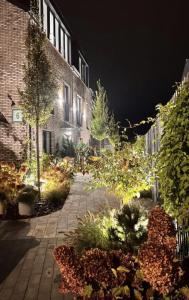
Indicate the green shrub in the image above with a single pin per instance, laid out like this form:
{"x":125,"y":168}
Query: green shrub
{"x":27,"y":195}
{"x":92,"y":232}
{"x":146,"y":194}
{"x":3,"y":196}
{"x":125,"y":172}
{"x":11,"y":180}
{"x":56,"y":198}
{"x":173,"y":157}
{"x":130,"y":230}
{"x":65,"y":148}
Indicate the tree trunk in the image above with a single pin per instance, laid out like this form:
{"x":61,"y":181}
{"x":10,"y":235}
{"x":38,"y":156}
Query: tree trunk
{"x":38,"y":160}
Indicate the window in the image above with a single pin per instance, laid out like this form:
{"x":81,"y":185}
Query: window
{"x":54,"y":29}
{"x":57,"y":34}
{"x":45,"y":16}
{"x":66,"y":47}
{"x":66,"y":103}
{"x":61,"y":41}
{"x":79,"y":111}
{"x":51,"y":29}
{"x":80,"y":65}
{"x":83,"y":70}
{"x":47,"y":142}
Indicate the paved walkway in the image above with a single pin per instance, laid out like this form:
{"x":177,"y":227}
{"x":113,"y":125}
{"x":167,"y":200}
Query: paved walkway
{"x":27,"y":268}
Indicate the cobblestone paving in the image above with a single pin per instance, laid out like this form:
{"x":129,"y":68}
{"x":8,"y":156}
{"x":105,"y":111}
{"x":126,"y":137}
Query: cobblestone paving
{"x":27,"y":268}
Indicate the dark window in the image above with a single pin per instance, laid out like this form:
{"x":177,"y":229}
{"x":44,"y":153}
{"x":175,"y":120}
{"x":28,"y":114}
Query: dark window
{"x":66,"y":103}
{"x":47,"y":140}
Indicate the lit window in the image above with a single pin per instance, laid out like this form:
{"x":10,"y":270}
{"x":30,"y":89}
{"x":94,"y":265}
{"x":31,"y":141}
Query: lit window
{"x":44,"y":16}
{"x":79,"y":114}
{"x":66,"y":47}
{"x":51,"y":29}
{"x":57,"y":34}
{"x":61,"y":41}
{"x":80,"y":65}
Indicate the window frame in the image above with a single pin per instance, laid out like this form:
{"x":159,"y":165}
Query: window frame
{"x":79,"y":112}
{"x":66,"y":106}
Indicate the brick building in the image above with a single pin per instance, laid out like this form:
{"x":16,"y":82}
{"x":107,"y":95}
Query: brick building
{"x":72,"y":109}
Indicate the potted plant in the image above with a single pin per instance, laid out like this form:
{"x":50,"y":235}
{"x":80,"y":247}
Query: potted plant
{"x":26,"y":201}
{"x":3,"y":203}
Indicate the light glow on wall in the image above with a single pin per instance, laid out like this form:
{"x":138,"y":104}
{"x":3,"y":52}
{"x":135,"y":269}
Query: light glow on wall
{"x":84,"y":114}
{"x":60,"y":96}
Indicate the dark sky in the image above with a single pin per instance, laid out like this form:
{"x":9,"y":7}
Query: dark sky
{"x":137,"y":48}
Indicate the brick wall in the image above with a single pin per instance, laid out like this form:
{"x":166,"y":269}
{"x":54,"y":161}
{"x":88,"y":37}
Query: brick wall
{"x":13,"y":24}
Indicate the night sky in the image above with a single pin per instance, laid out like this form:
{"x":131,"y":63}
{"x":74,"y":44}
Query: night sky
{"x":137,"y":49}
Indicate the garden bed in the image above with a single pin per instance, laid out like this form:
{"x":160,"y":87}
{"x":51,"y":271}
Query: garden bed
{"x":19,"y":193}
{"x":40,"y":209}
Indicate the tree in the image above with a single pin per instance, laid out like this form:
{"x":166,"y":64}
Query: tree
{"x":40,"y":85}
{"x":173,"y":158}
{"x":125,"y":172}
{"x":99,"y":123}
{"x":113,"y":131}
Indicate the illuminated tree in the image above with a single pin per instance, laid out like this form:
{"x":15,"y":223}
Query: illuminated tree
{"x":99,"y":123}
{"x":40,"y":85}
{"x":113,"y":131}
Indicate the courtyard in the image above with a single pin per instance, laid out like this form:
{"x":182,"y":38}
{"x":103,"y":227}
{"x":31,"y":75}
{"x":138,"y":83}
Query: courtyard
{"x":28,"y":268}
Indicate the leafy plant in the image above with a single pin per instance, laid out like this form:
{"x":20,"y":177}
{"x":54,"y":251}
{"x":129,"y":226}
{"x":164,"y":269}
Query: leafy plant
{"x":11,"y":180}
{"x":30,"y":177}
{"x":27,"y":195}
{"x":40,"y":84}
{"x":173,"y":158}
{"x":71,"y":270}
{"x":55,"y":180}
{"x":57,"y":197}
{"x":130,"y":230}
{"x":97,"y":272}
{"x":91,"y":232}
{"x":113,"y":132}
{"x":66,"y":148}
{"x":104,"y":270}
{"x":100,"y":117}
{"x":125,"y":171}
{"x":157,"y":256}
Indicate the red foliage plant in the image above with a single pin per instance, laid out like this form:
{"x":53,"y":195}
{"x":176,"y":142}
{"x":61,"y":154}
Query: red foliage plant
{"x":98,"y":264}
{"x":93,"y":268}
{"x":71,"y":270}
{"x":157,"y":255}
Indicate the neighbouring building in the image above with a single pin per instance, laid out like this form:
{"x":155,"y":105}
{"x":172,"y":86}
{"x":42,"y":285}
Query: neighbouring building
{"x":153,"y":136}
{"x":71,"y":115}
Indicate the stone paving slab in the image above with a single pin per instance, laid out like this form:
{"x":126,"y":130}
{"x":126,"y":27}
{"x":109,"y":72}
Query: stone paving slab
{"x":27,"y":267}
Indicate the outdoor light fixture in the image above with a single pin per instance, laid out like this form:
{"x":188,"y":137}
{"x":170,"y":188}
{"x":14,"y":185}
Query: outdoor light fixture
{"x":10,"y":98}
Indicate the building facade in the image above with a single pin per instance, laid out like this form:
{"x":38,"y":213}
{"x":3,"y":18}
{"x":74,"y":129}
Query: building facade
{"x":71,"y":115}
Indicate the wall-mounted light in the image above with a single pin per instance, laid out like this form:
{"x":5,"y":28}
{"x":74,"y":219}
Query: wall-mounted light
{"x":10,"y":98}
